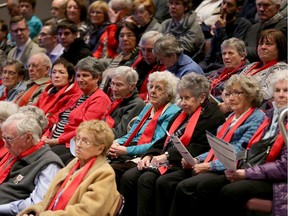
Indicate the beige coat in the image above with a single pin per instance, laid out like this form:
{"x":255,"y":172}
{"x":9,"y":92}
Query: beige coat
{"x":97,"y":195}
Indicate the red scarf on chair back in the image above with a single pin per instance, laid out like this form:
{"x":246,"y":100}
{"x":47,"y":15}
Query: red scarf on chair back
{"x":9,"y":160}
{"x":69,"y":191}
{"x":189,"y":130}
{"x":226,"y":134}
{"x":149,"y":131}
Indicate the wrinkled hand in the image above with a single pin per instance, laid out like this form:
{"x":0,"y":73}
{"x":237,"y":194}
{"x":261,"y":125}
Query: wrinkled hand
{"x":51,"y":142}
{"x":224,"y":107}
{"x":144,"y":162}
{"x":235,"y":175}
{"x":220,"y":22}
{"x":186,"y":165}
{"x":113,"y":16}
{"x":116,"y":150}
{"x":156,"y":160}
{"x":201,"y":168}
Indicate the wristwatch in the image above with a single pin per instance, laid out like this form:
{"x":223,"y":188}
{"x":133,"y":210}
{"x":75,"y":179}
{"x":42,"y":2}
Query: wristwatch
{"x":167,"y":154}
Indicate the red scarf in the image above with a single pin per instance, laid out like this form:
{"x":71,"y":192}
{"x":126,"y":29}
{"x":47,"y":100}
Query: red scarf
{"x":108,"y":119}
{"x":258,"y":68}
{"x":9,"y":160}
{"x":5,"y":94}
{"x":149,"y":131}
{"x":190,"y":127}
{"x":226,"y":134}
{"x":69,"y":191}
{"x":259,"y":133}
{"x":225,"y":75}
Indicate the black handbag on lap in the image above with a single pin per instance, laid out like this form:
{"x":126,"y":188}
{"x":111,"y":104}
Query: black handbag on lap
{"x":256,"y":154}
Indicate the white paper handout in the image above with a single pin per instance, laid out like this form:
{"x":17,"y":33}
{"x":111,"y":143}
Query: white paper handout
{"x":182,"y":149}
{"x":223,"y":151}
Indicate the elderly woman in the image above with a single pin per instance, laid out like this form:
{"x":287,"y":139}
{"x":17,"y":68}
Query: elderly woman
{"x":169,"y":52}
{"x":13,"y":79}
{"x":244,"y":96}
{"x":146,"y":63}
{"x":76,"y":11}
{"x":272,"y":51}
{"x":90,"y":105}
{"x":151,"y":124}
{"x":234,"y":58}
{"x":100,"y":37}
{"x":189,"y":126}
{"x":6,"y":109}
{"x":87,"y":184}
{"x":126,"y":102}
{"x":268,"y":180}
{"x":183,"y":25}
{"x":61,"y":90}
{"x":143,"y":14}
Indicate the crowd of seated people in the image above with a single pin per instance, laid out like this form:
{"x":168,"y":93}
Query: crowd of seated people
{"x":103,"y":89}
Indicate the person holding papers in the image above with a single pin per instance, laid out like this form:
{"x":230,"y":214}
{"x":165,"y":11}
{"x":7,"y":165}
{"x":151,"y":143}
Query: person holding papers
{"x":266,"y":181}
{"x":243,"y":95}
{"x":198,"y":115}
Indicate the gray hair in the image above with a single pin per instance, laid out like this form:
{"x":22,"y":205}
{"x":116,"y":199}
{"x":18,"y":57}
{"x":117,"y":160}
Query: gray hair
{"x":7,"y":109}
{"x":195,"y":83}
{"x":167,"y":45}
{"x":150,"y":35}
{"x":36,"y":113}
{"x":279,"y":75}
{"x":249,"y":85}
{"x":169,"y":79}
{"x":92,"y":65}
{"x":24,"y":124}
{"x":236,"y":43}
{"x":45,"y":60}
{"x":125,"y":4}
{"x":127,"y":73}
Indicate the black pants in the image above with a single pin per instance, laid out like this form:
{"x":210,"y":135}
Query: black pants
{"x":63,"y":152}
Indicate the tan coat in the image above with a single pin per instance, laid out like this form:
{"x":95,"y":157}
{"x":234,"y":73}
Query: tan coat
{"x":97,"y":195}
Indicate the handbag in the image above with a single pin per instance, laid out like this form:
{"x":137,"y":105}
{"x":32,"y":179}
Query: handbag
{"x":256,"y":154}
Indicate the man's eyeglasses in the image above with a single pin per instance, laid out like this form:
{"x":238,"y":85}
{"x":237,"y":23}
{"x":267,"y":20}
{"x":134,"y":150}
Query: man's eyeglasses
{"x":33,"y":66}
{"x":9,"y":139}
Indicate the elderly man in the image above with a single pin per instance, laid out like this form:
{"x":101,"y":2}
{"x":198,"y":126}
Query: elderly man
{"x":28,"y":168}
{"x":38,"y":67}
{"x":48,"y":39}
{"x":25,"y":47}
{"x":58,"y":9}
{"x":270,"y":18}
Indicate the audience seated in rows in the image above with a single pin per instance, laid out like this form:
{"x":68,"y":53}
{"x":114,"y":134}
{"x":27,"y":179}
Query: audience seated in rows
{"x":146,"y":63}
{"x":227,"y":25}
{"x":163,"y":158}
{"x":92,"y":187}
{"x":150,"y":125}
{"x":244,"y":96}
{"x":25,"y":47}
{"x":39,"y":66}
{"x":126,"y":103}
{"x":169,"y":52}
{"x":92,"y":104}
{"x":268,"y":180}
{"x":28,"y":168}
{"x":13,"y":78}
{"x":184,"y":27}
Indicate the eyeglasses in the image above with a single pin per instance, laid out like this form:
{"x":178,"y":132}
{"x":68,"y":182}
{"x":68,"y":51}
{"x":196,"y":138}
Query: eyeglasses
{"x":234,"y":94}
{"x":43,"y":34}
{"x":82,"y":141}
{"x":9,"y":73}
{"x":19,"y":29}
{"x":117,"y":85}
{"x":9,"y":139}
{"x":33,"y":66}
